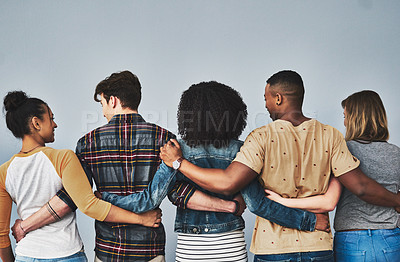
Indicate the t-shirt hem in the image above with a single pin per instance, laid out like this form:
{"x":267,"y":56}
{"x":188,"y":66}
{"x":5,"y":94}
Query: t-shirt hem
{"x":287,"y":250}
{"x":338,"y":174}
{"x":41,"y":255}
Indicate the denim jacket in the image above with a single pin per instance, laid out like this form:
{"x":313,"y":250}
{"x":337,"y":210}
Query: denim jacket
{"x":204,"y":222}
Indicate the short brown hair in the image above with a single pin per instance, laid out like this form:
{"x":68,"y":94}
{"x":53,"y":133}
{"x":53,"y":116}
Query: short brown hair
{"x":124,"y":85}
{"x":366,"y":117}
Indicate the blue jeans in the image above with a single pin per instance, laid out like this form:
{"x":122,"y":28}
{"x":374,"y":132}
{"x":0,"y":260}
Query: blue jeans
{"x":296,"y":257}
{"x":368,"y":245}
{"x":77,"y":257}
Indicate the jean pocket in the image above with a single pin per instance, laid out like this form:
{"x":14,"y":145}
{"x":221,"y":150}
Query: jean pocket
{"x":392,"y":254}
{"x":344,"y":255}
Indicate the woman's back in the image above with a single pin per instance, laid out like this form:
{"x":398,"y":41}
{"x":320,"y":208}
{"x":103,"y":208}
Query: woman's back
{"x":31,"y":180}
{"x":207,"y":222}
{"x":381,"y":162}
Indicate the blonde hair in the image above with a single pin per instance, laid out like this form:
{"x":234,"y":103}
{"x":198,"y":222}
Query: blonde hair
{"x":366,"y":117}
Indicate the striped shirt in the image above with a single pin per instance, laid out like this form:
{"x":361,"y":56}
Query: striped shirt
{"x":122,"y":158}
{"x":227,"y":246}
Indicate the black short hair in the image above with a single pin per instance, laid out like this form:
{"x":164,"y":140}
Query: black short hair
{"x":19,"y":111}
{"x":288,"y":83}
{"x":124,"y":85}
{"x":211,"y":113}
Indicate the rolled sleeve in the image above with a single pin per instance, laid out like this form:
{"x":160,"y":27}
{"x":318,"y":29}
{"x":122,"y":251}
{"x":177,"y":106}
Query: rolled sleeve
{"x":63,"y":195}
{"x":181,"y":193}
{"x":342,"y":160}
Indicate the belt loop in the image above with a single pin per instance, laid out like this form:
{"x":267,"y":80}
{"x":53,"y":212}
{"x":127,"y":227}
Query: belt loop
{"x":369,"y":232}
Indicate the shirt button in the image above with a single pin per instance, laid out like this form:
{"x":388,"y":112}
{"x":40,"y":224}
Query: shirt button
{"x":206,"y":230}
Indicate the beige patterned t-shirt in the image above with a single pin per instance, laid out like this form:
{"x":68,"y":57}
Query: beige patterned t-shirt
{"x":294,"y":161}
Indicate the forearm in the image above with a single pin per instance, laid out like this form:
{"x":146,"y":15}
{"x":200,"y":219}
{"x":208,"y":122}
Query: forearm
{"x":150,"y":198}
{"x":258,"y":204}
{"x":52,"y":211}
{"x":204,"y":202}
{"x":377,"y":195}
{"x":368,"y":189}
{"x":119,"y":215}
{"x":227,"y":182}
{"x":6,"y":254}
{"x":316,"y":204}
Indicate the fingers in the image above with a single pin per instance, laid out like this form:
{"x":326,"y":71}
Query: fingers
{"x":176,"y":143}
{"x":158,"y":215}
{"x":268,"y":192}
{"x":97,"y":194}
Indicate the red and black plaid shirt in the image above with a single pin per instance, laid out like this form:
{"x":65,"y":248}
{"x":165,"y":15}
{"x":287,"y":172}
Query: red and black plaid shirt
{"x":122,"y":158}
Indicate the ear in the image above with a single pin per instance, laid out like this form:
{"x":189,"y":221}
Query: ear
{"x":113,"y":101}
{"x":278,"y":99}
{"x":36,"y":123}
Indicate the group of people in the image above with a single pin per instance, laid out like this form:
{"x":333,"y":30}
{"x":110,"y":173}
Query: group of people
{"x":290,"y":173}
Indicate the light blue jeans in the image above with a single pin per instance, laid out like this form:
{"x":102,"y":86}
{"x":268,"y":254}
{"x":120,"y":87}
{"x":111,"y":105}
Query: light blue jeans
{"x":368,"y":245}
{"x":326,"y":256}
{"x":77,"y":257}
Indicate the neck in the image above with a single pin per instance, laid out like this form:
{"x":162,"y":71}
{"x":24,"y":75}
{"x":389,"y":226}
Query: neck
{"x":121,"y":111}
{"x":29,"y":143}
{"x":294,"y":116}
{"x":126,"y":111}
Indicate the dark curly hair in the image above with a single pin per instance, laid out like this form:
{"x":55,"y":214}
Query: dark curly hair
{"x":211,"y":113}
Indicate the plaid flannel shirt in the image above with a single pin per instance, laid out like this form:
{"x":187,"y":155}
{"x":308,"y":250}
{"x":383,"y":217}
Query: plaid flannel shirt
{"x":122,"y":158}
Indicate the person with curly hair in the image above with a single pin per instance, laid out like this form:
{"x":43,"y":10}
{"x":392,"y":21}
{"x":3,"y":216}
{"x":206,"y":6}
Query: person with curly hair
{"x":211,"y":117}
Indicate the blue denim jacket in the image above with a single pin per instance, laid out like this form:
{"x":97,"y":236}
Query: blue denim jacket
{"x":202,"y":222}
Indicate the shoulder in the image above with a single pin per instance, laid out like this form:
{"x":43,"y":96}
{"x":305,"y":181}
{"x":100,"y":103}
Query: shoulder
{"x":155,"y":129}
{"x":262,"y":131}
{"x":58,"y":154}
{"x":392,"y":147}
{"x":328,"y":133}
{"x":3,"y":171}
{"x":235,"y":144}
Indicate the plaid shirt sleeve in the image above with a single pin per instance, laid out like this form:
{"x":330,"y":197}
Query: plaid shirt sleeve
{"x":181,"y":193}
{"x":63,"y":195}
{"x":78,"y":152}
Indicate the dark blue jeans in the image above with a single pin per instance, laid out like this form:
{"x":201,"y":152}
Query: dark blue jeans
{"x":297,"y":257}
{"x":368,"y":245}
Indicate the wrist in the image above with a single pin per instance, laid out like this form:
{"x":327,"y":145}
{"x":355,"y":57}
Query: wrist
{"x":236,"y":207}
{"x":23,"y":228}
{"x":177,"y":163}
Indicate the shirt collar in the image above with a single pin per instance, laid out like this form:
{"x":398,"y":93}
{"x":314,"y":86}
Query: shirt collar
{"x":126,"y":118}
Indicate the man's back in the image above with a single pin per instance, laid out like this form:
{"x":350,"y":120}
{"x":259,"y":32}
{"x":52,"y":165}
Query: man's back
{"x":294,"y":161}
{"x":122,"y":158}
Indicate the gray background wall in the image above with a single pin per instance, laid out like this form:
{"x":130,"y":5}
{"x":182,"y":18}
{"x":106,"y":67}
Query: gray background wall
{"x":59,"y":51}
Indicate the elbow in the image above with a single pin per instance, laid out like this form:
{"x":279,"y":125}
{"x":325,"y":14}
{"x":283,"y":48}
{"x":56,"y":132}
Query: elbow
{"x":228,"y":188}
{"x":360,"y":191}
{"x":330,"y":207}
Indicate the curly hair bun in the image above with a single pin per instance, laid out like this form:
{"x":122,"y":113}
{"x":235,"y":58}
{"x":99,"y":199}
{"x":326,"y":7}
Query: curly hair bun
{"x":14,"y":99}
